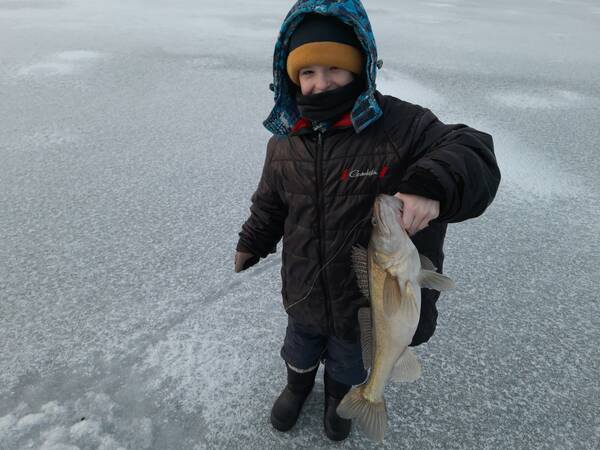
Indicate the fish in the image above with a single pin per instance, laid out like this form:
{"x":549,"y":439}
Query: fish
{"x":390,"y":273}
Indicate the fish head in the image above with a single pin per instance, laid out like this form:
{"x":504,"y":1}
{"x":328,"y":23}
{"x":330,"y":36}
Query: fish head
{"x":388,"y":237}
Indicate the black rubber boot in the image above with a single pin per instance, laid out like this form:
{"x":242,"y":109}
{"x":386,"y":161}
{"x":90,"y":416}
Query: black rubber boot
{"x":336,"y":428}
{"x":286,"y":408}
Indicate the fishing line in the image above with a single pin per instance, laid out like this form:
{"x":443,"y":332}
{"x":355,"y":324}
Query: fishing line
{"x":327,"y":263}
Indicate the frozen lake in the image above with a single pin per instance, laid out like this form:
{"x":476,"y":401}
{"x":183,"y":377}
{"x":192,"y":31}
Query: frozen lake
{"x":130,"y":144}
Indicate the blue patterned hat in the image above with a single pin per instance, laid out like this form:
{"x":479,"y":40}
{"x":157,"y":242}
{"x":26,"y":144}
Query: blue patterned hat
{"x":285,"y":113}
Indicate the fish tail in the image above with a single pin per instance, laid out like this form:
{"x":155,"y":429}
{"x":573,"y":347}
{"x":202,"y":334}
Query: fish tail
{"x":370,"y":416}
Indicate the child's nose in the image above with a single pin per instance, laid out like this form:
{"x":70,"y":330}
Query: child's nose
{"x":322,"y":82}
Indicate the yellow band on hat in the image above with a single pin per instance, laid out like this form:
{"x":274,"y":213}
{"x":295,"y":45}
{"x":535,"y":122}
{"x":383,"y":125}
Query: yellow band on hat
{"x":332,"y":54}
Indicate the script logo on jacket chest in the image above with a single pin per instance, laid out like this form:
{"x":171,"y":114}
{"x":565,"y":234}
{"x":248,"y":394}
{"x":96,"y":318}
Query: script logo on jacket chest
{"x":356,"y":173}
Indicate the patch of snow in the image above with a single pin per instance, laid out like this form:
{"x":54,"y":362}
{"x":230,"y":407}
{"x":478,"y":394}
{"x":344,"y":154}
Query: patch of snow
{"x":392,"y":82}
{"x":538,"y":99}
{"x":78,"y":55}
{"x":89,"y":421}
{"x":62,"y":63}
{"x":528,"y":170}
{"x":47,"y":68}
{"x":440,"y":4}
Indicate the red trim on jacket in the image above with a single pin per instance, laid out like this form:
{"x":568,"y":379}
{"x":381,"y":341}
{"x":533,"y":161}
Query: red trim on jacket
{"x":302,"y":123}
{"x":344,"y":121}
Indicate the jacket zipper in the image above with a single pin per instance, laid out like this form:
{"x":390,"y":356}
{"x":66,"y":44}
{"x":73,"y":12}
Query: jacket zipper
{"x":321,"y":213}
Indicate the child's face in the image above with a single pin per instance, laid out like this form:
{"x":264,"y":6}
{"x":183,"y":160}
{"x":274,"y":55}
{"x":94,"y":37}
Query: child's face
{"x":316,"y":79}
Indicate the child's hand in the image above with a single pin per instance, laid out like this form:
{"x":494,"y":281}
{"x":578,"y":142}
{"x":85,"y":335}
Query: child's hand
{"x":417,"y":213}
{"x":244,"y":260}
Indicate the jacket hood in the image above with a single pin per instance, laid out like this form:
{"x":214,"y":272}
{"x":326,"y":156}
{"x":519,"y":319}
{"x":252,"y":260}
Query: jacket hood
{"x":285,"y":113}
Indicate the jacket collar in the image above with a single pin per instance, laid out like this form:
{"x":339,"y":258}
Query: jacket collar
{"x":304,"y":126}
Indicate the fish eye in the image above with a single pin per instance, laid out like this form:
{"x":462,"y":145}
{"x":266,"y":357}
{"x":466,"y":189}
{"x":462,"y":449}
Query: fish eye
{"x":373,"y":221}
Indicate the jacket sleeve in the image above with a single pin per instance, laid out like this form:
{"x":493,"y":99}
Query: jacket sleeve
{"x":454,"y":164}
{"x":264,"y":228}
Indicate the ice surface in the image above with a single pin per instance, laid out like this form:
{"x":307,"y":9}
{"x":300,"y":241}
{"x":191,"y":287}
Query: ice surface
{"x":131,"y":142}
{"x":63,"y":63}
{"x":402,"y":86}
{"x":78,"y":55}
{"x":540,"y":99}
{"x":47,"y":68}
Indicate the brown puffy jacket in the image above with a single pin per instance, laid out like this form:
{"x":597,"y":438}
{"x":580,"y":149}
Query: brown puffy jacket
{"x":316,"y":186}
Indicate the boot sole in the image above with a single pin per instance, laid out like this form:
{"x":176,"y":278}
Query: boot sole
{"x":331,"y":434}
{"x":282,"y":426}
{"x":336,"y":436}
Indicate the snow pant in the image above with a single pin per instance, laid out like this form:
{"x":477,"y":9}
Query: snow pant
{"x":303,"y":349}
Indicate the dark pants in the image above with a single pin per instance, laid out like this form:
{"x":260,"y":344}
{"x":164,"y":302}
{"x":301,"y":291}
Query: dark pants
{"x":303,"y":348}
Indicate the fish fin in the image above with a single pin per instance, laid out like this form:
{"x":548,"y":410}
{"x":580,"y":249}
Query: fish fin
{"x":371,"y":417}
{"x":409,"y":301}
{"x":407,"y":368}
{"x":367,"y":337}
{"x":391,"y":295}
{"x":426,"y":263}
{"x":433,"y":280}
{"x":360,"y":263}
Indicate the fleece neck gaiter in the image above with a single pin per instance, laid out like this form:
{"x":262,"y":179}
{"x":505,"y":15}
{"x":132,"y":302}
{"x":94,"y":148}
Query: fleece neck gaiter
{"x":329,"y":105}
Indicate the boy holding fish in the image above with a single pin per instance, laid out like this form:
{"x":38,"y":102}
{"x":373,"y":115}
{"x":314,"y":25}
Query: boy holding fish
{"x":337,"y":144}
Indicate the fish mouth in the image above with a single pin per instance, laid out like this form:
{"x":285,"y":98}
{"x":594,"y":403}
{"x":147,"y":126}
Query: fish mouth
{"x":379,"y":219}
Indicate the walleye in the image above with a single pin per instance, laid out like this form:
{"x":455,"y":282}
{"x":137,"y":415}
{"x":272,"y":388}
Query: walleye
{"x":391,"y":273}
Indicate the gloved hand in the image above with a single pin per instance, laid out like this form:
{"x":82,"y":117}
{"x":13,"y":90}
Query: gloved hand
{"x":244,"y":260}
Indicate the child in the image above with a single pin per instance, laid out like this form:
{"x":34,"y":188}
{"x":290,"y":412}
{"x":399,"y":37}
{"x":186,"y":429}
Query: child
{"x":337,"y":144}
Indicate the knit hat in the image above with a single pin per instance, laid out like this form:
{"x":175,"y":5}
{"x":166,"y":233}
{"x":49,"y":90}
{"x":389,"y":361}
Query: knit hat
{"x":323,"y":40}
